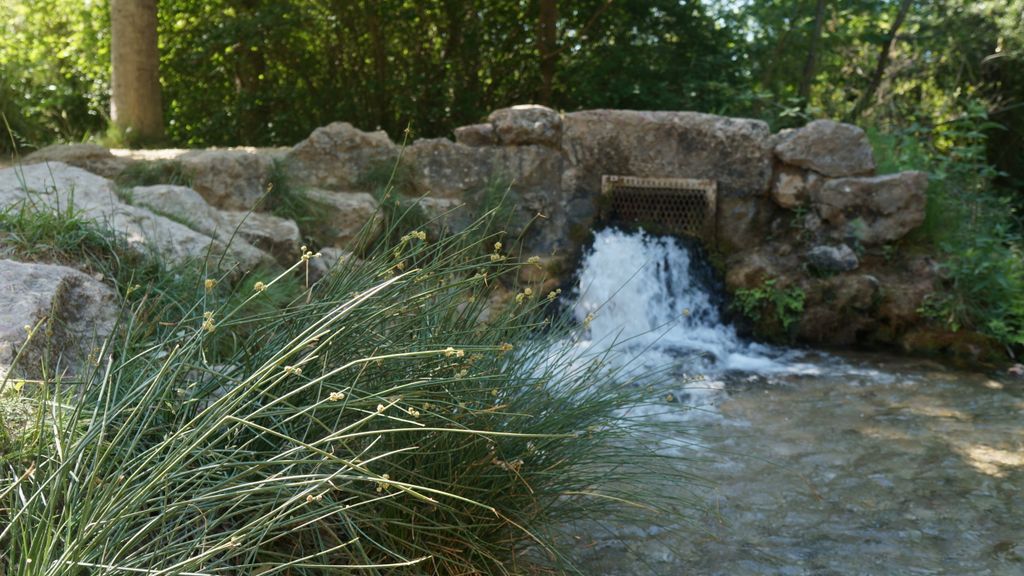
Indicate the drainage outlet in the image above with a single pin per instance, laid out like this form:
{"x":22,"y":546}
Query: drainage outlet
{"x":663,"y":205}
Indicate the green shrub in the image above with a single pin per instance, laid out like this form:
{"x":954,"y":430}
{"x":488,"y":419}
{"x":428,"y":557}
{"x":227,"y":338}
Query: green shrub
{"x":969,"y":220}
{"x":986,"y":277}
{"x":382,"y":427}
{"x":54,"y":69}
{"x":17,"y":131}
{"x":769,"y":305}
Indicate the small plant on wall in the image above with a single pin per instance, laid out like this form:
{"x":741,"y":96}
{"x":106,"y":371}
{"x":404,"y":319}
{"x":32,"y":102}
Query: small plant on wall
{"x":773,"y":309}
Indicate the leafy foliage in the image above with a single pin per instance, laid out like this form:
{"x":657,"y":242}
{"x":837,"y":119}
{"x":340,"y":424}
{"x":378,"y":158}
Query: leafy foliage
{"x":970,"y":219}
{"x":986,"y":274}
{"x":269,"y":71}
{"x":54,"y":69}
{"x":651,"y":55}
{"x":770,"y":305}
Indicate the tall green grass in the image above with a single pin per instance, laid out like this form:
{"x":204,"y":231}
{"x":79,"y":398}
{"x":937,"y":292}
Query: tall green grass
{"x":378,"y":425}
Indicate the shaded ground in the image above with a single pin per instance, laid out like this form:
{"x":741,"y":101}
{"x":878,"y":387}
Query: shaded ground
{"x":882,"y":467}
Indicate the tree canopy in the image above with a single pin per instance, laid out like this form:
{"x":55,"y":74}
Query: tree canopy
{"x":266,"y":72}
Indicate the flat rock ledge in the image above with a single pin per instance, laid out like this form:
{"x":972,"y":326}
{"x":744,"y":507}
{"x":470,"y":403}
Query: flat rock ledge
{"x":58,"y":187}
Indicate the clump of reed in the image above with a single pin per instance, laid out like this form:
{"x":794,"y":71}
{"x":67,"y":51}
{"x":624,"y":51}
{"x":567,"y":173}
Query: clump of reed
{"x":386,"y":421}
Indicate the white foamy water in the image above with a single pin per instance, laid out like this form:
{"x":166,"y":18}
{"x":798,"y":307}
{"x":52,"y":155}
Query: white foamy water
{"x":640,"y":291}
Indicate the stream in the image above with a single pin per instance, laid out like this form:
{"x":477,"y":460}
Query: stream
{"x":815,"y":463}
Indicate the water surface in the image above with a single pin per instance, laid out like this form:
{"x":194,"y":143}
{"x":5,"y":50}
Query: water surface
{"x":816,"y":464}
{"x":878,"y":466}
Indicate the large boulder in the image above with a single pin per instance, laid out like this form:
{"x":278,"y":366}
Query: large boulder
{"x":179,"y":203}
{"x":906,"y":288}
{"x":743,"y":223}
{"x":339,"y":156}
{"x":441,"y":168}
{"x":230,"y":179}
{"x":56,"y":185}
{"x":527,"y":124}
{"x":279,"y":237}
{"x":60,"y":187}
{"x":830,"y":148}
{"x":343,"y":216}
{"x":751,"y":268}
{"x":444,"y":215}
{"x":92,"y":157}
{"x":732,"y":151}
{"x":527,"y":177}
{"x":882,"y":307}
{"x":529,"y":169}
{"x":242,"y":230}
{"x":445,"y":169}
{"x":67,"y":312}
{"x":839,"y":310}
{"x":873,"y":210}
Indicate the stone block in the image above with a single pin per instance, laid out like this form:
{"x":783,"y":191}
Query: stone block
{"x":829,"y":148}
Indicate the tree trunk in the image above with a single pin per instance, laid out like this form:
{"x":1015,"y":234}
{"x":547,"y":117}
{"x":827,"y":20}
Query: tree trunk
{"x":135,"y":103}
{"x":883,"y":62}
{"x":547,"y":44}
{"x":812,"y":55}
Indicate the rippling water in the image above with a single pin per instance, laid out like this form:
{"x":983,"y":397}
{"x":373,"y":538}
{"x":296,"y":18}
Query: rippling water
{"x":821,"y":464}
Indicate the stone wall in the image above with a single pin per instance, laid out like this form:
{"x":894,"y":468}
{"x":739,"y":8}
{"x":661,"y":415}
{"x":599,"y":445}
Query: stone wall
{"x":802,"y":208}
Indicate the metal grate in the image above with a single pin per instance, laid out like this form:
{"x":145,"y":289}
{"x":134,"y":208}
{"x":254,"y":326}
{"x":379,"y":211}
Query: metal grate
{"x":665,"y":205}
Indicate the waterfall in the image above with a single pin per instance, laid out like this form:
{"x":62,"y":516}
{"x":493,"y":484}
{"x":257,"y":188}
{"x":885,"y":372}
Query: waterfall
{"x":647,"y":293}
